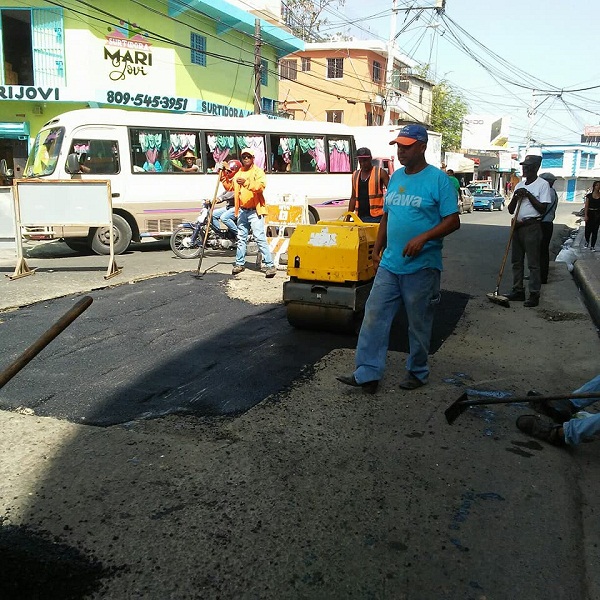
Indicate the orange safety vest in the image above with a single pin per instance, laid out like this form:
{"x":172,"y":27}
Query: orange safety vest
{"x":375,"y":191}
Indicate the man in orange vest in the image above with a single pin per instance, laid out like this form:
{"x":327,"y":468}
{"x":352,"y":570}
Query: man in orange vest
{"x":368,"y":183}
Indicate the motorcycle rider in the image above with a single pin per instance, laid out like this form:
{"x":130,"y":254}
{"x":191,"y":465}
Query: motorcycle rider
{"x":227,"y":214}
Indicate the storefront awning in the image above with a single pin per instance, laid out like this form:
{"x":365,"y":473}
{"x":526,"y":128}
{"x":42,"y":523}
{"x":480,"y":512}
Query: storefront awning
{"x":14,"y":131}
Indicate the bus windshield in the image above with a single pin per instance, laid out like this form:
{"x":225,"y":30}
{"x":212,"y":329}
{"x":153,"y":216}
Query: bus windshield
{"x":44,"y":154}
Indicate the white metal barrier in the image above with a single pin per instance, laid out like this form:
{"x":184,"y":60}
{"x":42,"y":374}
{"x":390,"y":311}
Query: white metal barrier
{"x":61,"y":203}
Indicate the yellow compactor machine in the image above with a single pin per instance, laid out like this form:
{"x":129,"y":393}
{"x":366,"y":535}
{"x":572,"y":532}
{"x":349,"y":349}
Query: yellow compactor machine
{"x":331,"y":271}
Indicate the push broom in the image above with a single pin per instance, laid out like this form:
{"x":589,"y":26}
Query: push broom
{"x":494,"y":296}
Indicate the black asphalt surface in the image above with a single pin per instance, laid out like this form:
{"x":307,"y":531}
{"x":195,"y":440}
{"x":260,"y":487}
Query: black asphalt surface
{"x":169,"y":345}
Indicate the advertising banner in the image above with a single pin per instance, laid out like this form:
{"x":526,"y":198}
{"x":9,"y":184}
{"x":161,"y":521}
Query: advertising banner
{"x":485,"y":132}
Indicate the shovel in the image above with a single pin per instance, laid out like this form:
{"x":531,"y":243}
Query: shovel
{"x":44,"y":340}
{"x":208,"y":225}
{"x":458,"y":407}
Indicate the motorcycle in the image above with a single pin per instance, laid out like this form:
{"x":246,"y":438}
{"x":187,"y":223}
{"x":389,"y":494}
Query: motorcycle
{"x":186,"y":241}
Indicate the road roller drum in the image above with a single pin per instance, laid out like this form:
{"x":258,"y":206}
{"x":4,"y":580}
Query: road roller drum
{"x":331,"y":271}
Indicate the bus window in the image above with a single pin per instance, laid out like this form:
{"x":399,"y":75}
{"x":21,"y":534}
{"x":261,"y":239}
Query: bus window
{"x":180,"y":143}
{"x":44,"y":154}
{"x":228,"y":146}
{"x":312,"y":155}
{"x":97,"y":156}
{"x":339,"y":155}
{"x":149,"y":151}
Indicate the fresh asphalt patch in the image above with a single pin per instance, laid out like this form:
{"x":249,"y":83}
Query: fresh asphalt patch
{"x":169,"y":345}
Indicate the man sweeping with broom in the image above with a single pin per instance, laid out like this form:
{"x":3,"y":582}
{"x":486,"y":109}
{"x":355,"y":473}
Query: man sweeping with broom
{"x":532,"y":197}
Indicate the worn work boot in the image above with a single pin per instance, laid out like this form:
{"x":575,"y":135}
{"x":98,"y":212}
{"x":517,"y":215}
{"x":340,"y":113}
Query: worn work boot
{"x":534,"y":300}
{"x":410,"y":382}
{"x":559,"y":411}
{"x":516,"y":296}
{"x":270,"y":272}
{"x":369,"y":387}
{"x":541,"y":429}
{"x":237,"y":269}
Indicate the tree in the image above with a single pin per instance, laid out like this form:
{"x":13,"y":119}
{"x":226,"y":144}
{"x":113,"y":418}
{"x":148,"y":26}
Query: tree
{"x":304,"y":18}
{"x":447,"y":113}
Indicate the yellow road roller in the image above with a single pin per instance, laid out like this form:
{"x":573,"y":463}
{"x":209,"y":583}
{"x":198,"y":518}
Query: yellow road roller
{"x":331,"y":271}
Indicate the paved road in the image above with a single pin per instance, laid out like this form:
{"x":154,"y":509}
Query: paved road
{"x":172,"y":344}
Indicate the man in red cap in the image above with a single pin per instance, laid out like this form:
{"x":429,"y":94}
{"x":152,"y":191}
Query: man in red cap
{"x":368,"y":183}
{"x":419,"y":210}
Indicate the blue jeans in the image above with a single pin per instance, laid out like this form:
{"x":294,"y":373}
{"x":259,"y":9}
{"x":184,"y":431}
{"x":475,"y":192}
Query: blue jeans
{"x":226,"y":215}
{"x":586,"y":429}
{"x":248,"y":219}
{"x":419,"y":293}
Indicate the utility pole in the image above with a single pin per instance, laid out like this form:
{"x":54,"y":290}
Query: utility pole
{"x":257,"y":67}
{"x":389,"y":71}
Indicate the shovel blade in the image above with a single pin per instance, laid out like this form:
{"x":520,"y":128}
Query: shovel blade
{"x":457,"y":408}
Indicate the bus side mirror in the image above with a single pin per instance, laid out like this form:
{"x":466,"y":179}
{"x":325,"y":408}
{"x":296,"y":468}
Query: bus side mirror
{"x":72,"y":164}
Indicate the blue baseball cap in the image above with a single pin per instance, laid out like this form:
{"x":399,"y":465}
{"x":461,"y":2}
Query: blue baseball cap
{"x":410,"y":134}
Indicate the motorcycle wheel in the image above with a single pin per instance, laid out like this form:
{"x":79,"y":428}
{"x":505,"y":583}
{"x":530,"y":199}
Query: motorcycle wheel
{"x":177,"y":243}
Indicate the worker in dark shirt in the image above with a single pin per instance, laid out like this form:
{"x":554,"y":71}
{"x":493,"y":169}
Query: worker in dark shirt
{"x":368,"y":187}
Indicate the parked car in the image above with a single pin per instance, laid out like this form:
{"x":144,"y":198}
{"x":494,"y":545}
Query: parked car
{"x":488,"y":200}
{"x":465,"y":201}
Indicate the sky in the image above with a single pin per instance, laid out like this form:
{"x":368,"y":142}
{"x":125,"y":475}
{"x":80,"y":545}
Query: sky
{"x":532,"y":51}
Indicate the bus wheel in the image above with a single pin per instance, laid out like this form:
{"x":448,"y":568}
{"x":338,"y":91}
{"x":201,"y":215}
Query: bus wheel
{"x":100,"y":240}
{"x":80,"y":245}
{"x":312,"y":218}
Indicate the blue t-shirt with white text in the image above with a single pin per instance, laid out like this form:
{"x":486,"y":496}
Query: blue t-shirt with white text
{"x":414,"y":204}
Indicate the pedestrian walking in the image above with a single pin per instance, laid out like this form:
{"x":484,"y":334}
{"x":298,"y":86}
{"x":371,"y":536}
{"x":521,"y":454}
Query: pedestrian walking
{"x":547,"y":228}
{"x":532,"y":195}
{"x":420,"y":209}
{"x":248,"y":186}
{"x":592,"y":216}
{"x":368,"y":185}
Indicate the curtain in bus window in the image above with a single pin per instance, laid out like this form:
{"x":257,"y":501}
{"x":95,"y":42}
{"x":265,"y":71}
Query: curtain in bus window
{"x":314,"y":148}
{"x":48,"y":47}
{"x":220,"y":146}
{"x":290,"y":151}
{"x":339,"y":156}
{"x":180,"y":143}
{"x":256,"y":143}
{"x":151,"y":146}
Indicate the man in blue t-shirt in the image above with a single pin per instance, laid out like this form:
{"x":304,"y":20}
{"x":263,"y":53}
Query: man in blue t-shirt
{"x":420,"y":209}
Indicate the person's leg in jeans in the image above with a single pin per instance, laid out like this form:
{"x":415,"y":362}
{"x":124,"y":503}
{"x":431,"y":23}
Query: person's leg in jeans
{"x":228,"y":218}
{"x":518,"y":260}
{"x":373,"y":339}
{"x":242,"y":238}
{"x":532,"y":239}
{"x":216,"y":217}
{"x":582,"y":430}
{"x":421,"y":294}
{"x":547,"y":228}
{"x":258,"y":229}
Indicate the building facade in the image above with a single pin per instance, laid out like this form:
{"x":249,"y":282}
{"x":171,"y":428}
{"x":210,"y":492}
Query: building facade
{"x":177,"y":56}
{"x":576,"y":166}
{"x":345,"y":82}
